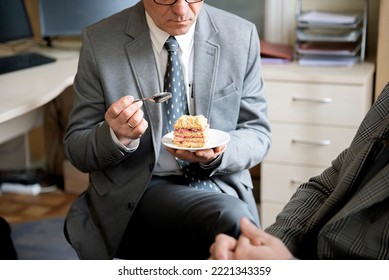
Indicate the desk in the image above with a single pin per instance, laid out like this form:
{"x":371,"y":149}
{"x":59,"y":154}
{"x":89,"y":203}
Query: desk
{"x":24,"y":93}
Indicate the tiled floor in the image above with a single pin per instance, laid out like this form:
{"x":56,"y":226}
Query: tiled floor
{"x":17,"y":208}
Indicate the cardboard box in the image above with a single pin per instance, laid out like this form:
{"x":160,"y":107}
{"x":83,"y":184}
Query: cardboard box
{"x":75,"y":181}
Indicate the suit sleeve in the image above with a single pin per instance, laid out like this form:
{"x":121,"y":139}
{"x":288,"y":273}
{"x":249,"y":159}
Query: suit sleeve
{"x":88,"y":142}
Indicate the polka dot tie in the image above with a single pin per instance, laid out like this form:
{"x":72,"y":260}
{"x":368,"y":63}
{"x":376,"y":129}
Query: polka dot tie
{"x":174,"y":83}
{"x":176,"y":107}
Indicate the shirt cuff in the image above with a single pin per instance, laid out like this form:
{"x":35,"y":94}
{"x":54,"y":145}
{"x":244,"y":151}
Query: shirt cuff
{"x":213,"y":164}
{"x":132,"y":146}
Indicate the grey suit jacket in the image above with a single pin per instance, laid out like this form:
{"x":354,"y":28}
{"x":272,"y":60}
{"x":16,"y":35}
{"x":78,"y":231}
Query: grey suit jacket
{"x":331,"y":217}
{"x":117,"y":59}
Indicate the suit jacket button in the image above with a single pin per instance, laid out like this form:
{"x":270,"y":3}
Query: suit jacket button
{"x":130,"y":205}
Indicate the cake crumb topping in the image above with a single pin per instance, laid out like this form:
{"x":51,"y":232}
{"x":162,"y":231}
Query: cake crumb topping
{"x":187,"y":121}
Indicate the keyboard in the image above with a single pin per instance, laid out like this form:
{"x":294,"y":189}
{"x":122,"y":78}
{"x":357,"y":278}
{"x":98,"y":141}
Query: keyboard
{"x":23,"y":61}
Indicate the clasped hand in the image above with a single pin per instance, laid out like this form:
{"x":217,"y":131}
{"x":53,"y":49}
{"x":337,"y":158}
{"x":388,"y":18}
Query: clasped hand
{"x":253,"y":244}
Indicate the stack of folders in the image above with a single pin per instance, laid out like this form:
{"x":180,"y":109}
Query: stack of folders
{"x":276,"y":53}
{"x":328,"y":39}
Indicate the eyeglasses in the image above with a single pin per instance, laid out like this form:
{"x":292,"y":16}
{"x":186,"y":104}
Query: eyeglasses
{"x":171,"y":2}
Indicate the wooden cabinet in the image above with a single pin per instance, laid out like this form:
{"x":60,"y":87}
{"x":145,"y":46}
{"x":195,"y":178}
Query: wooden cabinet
{"x":382,"y":73}
{"x":314,"y":113}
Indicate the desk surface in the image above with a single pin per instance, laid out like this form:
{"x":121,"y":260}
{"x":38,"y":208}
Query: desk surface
{"x":24,"y":92}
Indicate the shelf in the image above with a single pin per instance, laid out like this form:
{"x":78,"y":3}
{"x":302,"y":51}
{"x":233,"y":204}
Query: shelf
{"x":336,"y":37}
{"x":318,"y":19}
{"x":326,"y":35}
{"x":329,"y":48}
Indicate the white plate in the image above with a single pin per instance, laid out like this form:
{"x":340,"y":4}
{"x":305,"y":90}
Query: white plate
{"x":215,"y":138}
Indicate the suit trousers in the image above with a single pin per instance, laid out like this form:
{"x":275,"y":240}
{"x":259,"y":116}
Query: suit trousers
{"x":175,"y":221}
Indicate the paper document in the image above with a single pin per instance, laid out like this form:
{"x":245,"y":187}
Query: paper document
{"x":276,"y":50}
{"x":32,"y":189}
{"x":320,"y":61}
{"x":329,"y":35}
{"x":329,"y":48}
{"x":315,"y":17}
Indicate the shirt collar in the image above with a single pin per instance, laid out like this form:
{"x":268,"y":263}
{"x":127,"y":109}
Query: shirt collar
{"x":159,"y":37}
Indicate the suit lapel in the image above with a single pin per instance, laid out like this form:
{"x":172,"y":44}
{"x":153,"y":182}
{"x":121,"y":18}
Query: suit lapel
{"x":206,"y":56}
{"x":142,"y":63}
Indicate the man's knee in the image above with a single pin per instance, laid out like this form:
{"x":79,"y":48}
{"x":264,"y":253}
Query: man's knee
{"x":229,"y":216}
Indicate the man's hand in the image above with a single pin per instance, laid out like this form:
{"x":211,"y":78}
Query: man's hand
{"x":253,"y":244}
{"x":202,"y":156}
{"x":223,"y":248}
{"x":126,"y":119}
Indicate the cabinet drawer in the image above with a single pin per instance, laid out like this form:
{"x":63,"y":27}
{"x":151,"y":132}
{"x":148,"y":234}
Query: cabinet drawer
{"x":279,"y":182}
{"x":327,"y":104}
{"x":306,"y":144}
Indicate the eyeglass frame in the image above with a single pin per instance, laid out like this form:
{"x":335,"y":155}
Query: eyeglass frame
{"x":175,"y":1}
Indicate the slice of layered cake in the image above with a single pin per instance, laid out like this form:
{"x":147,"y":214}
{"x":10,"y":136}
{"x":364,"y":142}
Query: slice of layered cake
{"x":191,"y":131}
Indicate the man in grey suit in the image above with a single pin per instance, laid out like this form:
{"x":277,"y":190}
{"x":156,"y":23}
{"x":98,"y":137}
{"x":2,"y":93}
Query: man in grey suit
{"x":138,"y":204}
{"x":341,"y":214}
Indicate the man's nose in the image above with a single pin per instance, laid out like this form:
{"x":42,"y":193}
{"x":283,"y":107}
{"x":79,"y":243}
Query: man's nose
{"x":180,"y":7}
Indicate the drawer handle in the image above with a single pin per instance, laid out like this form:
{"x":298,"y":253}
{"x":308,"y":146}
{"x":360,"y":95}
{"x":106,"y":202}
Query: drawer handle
{"x":313,"y":100}
{"x":314,"y":143}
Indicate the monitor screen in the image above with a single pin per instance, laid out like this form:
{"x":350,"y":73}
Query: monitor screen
{"x":14,"y":21}
{"x":252,"y":10}
{"x":69,"y":17}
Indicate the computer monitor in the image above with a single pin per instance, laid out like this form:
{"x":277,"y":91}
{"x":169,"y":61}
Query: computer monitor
{"x":14,"y":21}
{"x":252,"y":10}
{"x":69,"y":17}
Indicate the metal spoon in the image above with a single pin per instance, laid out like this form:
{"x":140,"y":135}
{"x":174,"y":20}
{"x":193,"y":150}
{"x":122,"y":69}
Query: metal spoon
{"x":157,"y":98}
